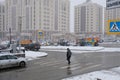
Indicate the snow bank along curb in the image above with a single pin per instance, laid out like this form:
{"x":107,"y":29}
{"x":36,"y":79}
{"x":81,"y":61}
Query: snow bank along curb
{"x":112,"y":74}
{"x":30,"y":55}
{"x":78,"y":48}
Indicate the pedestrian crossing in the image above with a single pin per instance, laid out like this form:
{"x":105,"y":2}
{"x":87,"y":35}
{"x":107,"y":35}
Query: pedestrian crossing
{"x":74,"y":65}
{"x":62,"y":65}
{"x":49,"y":63}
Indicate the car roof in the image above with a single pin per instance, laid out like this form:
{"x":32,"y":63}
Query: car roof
{"x":5,"y":53}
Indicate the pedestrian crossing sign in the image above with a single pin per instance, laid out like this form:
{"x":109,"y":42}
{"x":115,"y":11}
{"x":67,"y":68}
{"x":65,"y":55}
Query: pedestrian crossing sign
{"x":113,"y":27}
{"x":40,"y":33}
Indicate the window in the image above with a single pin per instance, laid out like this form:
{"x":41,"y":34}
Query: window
{"x":11,"y":57}
{"x":3,"y":58}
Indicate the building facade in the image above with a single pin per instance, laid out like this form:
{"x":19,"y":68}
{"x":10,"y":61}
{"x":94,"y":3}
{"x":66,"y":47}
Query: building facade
{"x":54,"y":17}
{"x":29,"y":16}
{"x":88,"y":19}
{"x":20,"y":17}
{"x":2,"y":19}
{"x":112,"y":12}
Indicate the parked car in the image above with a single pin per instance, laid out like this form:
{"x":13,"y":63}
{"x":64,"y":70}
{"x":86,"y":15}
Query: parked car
{"x":2,"y":47}
{"x":9,"y":60}
{"x":33,"y":46}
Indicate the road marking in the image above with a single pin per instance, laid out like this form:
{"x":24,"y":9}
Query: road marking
{"x":64,"y":67}
{"x":89,"y":64}
{"x":75,"y":68}
{"x":93,"y":66}
{"x":51,"y":63}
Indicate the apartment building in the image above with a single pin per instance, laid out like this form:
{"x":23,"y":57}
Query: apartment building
{"x":54,"y":17}
{"x":88,"y":19}
{"x":2,"y":19}
{"x":29,"y":16}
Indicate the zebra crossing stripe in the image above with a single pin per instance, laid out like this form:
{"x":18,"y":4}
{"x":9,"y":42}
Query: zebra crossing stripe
{"x":64,"y":67}
{"x":49,"y":63}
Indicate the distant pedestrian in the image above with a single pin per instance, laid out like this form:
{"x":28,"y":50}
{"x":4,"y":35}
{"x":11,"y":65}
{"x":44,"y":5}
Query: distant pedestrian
{"x":68,"y":55}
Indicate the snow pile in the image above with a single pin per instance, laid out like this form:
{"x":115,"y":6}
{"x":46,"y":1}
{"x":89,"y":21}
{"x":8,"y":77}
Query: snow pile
{"x":82,"y":48}
{"x":98,"y":75}
{"x":110,"y":50}
{"x":30,"y":55}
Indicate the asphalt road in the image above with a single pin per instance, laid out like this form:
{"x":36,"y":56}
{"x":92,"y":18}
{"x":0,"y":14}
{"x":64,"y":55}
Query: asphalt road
{"x":55,"y":67}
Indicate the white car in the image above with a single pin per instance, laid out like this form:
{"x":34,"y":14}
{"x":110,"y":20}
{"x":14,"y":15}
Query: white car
{"x":9,"y":60}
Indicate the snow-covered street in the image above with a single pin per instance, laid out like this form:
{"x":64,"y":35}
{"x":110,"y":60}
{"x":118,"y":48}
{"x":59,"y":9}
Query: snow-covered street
{"x":109,"y":74}
{"x":75,"y":49}
{"x":80,"y":49}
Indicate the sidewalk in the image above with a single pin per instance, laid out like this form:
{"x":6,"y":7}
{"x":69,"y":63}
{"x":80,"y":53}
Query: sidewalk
{"x":111,"y":74}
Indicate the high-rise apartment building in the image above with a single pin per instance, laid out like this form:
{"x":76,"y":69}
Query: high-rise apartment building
{"x":88,"y":19}
{"x":20,"y":17}
{"x":29,"y":16}
{"x":2,"y":19}
{"x":54,"y":16}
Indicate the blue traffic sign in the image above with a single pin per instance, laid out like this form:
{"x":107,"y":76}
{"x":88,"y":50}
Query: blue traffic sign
{"x":115,"y":26}
{"x":40,"y":33}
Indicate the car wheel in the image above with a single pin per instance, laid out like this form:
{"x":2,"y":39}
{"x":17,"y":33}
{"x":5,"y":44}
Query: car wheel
{"x":22,"y":64}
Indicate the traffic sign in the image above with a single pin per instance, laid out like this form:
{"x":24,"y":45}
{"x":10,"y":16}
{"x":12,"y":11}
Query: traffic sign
{"x":113,"y":27}
{"x":40,"y":33}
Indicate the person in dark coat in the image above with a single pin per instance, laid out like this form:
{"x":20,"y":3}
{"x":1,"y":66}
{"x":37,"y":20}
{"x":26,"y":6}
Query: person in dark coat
{"x":68,"y":55}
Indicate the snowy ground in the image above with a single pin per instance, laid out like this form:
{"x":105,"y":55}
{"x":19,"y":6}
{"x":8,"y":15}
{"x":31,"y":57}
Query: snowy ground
{"x":31,"y":55}
{"x":111,"y":74}
{"x":80,"y":49}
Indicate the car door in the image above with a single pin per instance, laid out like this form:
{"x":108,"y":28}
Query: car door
{"x":13,"y":61}
{"x":4,"y":61}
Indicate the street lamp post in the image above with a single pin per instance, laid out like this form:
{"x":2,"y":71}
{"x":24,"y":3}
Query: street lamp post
{"x":19,"y":31}
{"x":10,"y":34}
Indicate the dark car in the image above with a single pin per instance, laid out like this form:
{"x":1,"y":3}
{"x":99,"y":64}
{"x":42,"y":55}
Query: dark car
{"x":32,"y":46}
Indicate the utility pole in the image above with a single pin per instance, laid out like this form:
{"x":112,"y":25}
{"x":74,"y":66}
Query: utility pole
{"x":19,"y":31}
{"x":10,"y":34}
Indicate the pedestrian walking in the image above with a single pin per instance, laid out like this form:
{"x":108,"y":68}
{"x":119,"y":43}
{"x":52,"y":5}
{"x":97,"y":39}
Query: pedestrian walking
{"x":68,"y":55}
